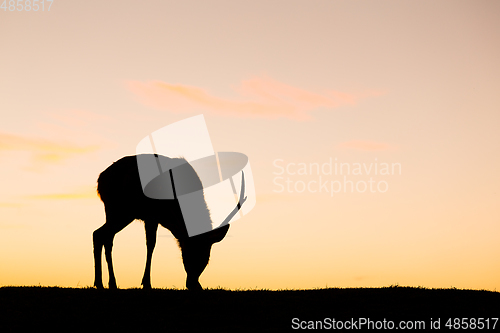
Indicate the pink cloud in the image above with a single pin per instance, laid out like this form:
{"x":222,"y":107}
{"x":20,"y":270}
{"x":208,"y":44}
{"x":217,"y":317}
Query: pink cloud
{"x":364,"y":145}
{"x":258,"y":97}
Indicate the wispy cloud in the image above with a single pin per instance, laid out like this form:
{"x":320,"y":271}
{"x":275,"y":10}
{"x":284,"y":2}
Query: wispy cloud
{"x":78,"y":119}
{"x":364,"y":145}
{"x":258,"y":98}
{"x":44,"y":151}
{"x":13,"y":226}
{"x":82,"y":193}
{"x":10,"y":205}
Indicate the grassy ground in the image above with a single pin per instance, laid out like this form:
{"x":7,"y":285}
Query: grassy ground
{"x":87,"y":309}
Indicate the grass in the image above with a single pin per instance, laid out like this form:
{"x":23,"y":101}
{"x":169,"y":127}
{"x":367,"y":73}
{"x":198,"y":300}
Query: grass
{"x":178,"y":310}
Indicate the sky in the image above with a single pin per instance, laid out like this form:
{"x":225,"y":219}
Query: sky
{"x":371,"y":128}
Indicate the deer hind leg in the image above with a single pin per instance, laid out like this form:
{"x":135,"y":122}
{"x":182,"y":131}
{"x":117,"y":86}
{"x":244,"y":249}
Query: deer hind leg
{"x":98,"y":244}
{"x":151,"y":229}
{"x":108,"y":247}
{"x":104,"y":237}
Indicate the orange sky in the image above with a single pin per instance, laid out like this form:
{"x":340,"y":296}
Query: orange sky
{"x":361,"y":83}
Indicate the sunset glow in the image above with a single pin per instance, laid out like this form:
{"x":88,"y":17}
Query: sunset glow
{"x":299,"y":87}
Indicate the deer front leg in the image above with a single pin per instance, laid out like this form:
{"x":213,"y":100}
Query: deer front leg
{"x":151,"y":229}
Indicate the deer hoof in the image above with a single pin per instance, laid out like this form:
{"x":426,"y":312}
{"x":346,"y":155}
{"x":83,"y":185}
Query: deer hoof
{"x":196,"y":286}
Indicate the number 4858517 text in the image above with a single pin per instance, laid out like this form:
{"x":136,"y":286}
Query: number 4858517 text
{"x":26,"y":5}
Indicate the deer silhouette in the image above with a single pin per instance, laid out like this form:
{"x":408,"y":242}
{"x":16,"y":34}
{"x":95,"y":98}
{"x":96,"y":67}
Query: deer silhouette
{"x":119,"y":187}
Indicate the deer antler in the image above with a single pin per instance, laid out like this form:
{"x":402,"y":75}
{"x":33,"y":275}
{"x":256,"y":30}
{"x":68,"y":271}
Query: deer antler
{"x":242,"y":200}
